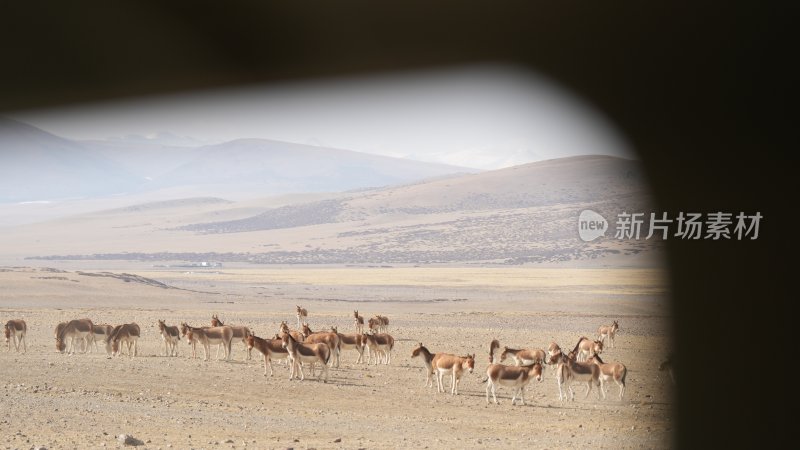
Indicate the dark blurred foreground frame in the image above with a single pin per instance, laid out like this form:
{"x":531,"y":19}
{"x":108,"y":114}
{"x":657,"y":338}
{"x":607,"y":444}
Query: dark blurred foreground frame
{"x":699,"y":90}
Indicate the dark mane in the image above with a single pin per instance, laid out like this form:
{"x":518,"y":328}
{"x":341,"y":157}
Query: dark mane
{"x":424,"y":350}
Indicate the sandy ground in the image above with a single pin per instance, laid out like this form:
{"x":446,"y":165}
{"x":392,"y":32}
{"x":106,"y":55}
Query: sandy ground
{"x":86,"y":400}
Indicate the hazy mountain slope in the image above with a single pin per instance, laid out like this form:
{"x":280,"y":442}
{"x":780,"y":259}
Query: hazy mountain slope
{"x":146,"y":160}
{"x":280,"y":167}
{"x":36,"y":165}
{"x":574,"y":180}
{"x":510,"y":216}
{"x":565,"y":180}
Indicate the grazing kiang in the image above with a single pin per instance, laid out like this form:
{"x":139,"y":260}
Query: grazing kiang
{"x":15,"y":332}
{"x":302,"y":315}
{"x":355,"y":341}
{"x":515,"y":377}
{"x":613,"y":371}
{"x":454,"y":365}
{"x":608,"y":331}
{"x":208,"y":336}
{"x":59,"y":329}
{"x":239,"y":333}
{"x":427,"y":359}
{"x":306,"y":353}
{"x":101,"y":332}
{"x":523,"y":357}
{"x":570,"y":371}
{"x":493,"y":351}
{"x":381,"y":345}
{"x":359,"y":322}
{"x":125,"y":334}
{"x":327,"y":337}
{"x":171,"y":336}
{"x":586,"y":348}
{"x":78,"y":329}
{"x":272,"y":349}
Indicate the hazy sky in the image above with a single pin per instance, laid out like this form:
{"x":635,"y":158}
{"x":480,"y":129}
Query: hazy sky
{"x":483,"y":117}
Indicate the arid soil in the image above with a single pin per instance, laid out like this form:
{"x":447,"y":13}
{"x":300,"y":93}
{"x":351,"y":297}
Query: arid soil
{"x":86,"y":400}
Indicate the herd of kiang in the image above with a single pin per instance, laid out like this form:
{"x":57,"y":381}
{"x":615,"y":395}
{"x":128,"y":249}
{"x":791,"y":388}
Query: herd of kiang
{"x":303,"y":347}
{"x":296,"y":347}
{"x":581,"y":365}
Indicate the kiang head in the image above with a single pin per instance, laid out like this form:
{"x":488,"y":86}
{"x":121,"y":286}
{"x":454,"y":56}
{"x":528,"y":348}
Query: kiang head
{"x":470,"y":363}
{"x":536,"y":372}
{"x":285,"y":338}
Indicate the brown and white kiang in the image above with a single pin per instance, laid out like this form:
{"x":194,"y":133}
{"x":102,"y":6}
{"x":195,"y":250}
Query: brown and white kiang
{"x":608,"y":331}
{"x":351,"y":341}
{"x":15,"y":331}
{"x":170,"y":336}
{"x":380,"y":345}
{"x":77,"y":329}
{"x":125,"y":334}
{"x":427,"y":359}
{"x":312,"y":354}
{"x":272,"y":349}
{"x":515,"y":377}
{"x":454,"y":365}
{"x":328,"y":337}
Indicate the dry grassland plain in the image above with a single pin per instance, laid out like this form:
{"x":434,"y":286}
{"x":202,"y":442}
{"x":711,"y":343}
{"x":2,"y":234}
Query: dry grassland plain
{"x":85,"y":400}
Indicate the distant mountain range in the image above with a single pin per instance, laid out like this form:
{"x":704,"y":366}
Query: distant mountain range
{"x":523,"y":214}
{"x":36,"y":165}
{"x":151,"y":202}
{"x":591,"y":180}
